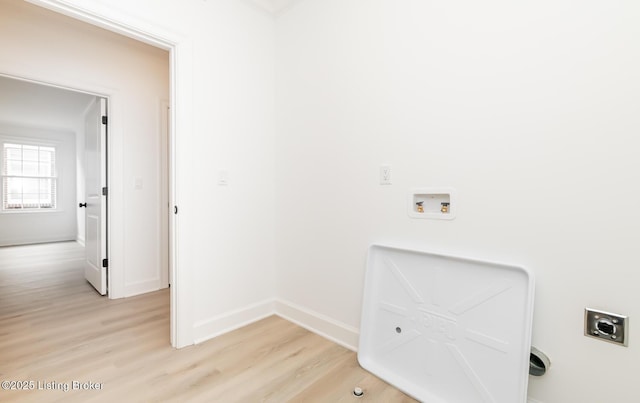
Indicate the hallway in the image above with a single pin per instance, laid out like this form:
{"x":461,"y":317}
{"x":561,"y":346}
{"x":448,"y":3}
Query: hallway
{"x":54,"y":327}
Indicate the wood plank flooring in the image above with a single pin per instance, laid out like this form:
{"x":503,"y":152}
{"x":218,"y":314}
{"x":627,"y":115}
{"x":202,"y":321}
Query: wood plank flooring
{"x":55,"y":329}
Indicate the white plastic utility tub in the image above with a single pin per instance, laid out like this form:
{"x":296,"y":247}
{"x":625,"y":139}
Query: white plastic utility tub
{"x":447,"y":329}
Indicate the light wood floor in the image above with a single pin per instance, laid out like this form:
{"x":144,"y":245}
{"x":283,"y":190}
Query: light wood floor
{"x":55,"y":328}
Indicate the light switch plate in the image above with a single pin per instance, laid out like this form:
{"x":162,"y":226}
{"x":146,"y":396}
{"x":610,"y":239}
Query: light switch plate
{"x":606,"y":326}
{"x":223,"y":177}
{"x":385,"y":174}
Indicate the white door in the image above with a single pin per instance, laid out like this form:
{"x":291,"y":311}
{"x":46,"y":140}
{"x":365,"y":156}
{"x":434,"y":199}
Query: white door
{"x":95,"y":269}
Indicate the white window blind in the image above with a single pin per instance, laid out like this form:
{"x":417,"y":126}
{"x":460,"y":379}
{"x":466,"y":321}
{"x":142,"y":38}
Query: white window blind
{"x":29,"y":179}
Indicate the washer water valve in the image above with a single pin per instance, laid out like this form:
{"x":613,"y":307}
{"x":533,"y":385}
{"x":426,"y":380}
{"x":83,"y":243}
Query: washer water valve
{"x":606,"y":326}
{"x":444,"y":207}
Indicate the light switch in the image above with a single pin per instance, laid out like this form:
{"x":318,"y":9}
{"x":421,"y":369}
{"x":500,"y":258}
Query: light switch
{"x":385,"y":174}
{"x":223,"y":177}
{"x":137,"y":184}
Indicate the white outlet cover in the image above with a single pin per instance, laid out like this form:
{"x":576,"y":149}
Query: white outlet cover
{"x":385,"y":174}
{"x":447,"y":329}
{"x":223,"y":177}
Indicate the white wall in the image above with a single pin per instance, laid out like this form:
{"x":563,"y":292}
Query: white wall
{"x":17,"y":228}
{"x":529,"y":110}
{"x":66,"y":52}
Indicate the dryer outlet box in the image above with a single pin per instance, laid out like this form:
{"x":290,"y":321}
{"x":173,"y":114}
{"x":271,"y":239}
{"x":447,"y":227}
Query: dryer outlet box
{"x":606,"y":326}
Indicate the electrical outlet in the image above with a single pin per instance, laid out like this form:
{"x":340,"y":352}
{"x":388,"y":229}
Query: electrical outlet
{"x":385,"y":174}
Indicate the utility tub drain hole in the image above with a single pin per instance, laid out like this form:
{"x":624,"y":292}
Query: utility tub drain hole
{"x":398,"y":329}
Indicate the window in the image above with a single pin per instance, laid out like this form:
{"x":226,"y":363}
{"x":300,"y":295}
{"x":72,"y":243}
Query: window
{"x":29,"y":179}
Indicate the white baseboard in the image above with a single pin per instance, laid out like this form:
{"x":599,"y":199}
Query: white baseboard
{"x":141,"y":287}
{"x":81,"y":242}
{"x":320,"y":324}
{"x":331,"y":329}
{"x":216,"y":326}
{"x":36,"y":240}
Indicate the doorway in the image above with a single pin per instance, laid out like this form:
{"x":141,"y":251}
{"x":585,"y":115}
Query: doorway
{"x":51,"y":121}
{"x":135,"y":238}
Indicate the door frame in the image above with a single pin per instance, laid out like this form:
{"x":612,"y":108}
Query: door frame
{"x":181,"y":86}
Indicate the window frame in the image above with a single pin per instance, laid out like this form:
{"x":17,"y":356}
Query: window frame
{"x":24,"y":141}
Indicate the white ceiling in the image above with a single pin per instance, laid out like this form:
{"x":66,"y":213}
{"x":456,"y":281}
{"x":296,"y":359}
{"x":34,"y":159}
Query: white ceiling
{"x":275,"y":7}
{"x":34,"y":104}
